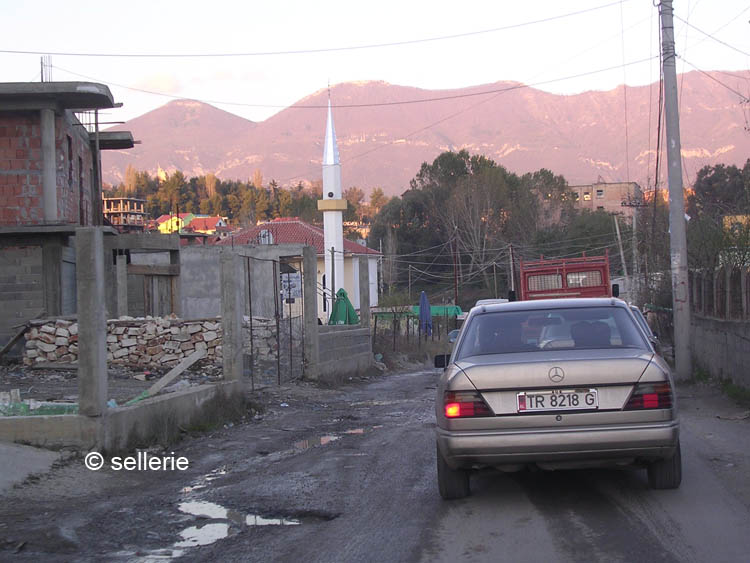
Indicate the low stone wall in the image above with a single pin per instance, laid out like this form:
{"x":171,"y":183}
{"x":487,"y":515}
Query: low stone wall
{"x":145,"y":341}
{"x":722,"y":348}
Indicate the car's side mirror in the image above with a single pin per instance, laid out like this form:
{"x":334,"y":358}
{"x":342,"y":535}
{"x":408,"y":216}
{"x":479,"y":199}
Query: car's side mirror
{"x":615,"y":290}
{"x":441,"y":360}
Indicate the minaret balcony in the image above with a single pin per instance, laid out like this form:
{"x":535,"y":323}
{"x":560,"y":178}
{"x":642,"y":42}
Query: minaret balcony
{"x":332,"y":205}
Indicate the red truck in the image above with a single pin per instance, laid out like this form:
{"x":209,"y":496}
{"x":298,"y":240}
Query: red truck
{"x":549,"y":278}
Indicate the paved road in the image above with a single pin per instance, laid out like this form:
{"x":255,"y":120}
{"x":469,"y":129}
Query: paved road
{"x":349,"y":475}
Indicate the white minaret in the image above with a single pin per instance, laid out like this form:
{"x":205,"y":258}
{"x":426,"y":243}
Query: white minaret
{"x":333,"y":206}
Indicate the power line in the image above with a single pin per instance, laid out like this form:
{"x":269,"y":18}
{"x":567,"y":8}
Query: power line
{"x":743,"y":99}
{"x":314,"y":51}
{"x":368,"y":105}
{"x":625,"y":93}
{"x":710,"y":36}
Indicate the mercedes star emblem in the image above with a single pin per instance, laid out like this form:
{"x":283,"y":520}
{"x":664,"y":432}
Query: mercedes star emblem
{"x":556,"y":374}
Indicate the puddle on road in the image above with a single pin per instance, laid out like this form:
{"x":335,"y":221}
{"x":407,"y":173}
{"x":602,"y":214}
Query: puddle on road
{"x":151,"y":556}
{"x":204,"y":509}
{"x":312,"y":442}
{"x":209,"y":533}
{"x":205,"y":480}
{"x":203,"y":535}
{"x":323,"y":440}
{"x":378,"y":403}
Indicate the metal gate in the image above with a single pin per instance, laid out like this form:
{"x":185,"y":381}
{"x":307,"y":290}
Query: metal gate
{"x":274,"y":336}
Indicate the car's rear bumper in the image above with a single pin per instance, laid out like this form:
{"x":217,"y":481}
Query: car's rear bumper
{"x":639,"y":442}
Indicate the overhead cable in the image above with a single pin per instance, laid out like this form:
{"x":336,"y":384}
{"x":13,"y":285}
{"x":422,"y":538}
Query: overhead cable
{"x":311,"y":51}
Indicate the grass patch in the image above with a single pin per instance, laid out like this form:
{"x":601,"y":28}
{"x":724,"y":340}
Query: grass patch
{"x":735,"y":392}
{"x":700,"y":375}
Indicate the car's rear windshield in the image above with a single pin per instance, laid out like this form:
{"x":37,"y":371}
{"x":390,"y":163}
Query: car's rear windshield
{"x":575,"y":328}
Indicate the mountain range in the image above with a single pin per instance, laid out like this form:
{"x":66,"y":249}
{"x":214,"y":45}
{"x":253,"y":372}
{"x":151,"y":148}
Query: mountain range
{"x":385,"y":132}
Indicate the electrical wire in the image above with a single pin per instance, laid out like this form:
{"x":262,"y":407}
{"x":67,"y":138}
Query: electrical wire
{"x":367,"y":105}
{"x":625,"y":93}
{"x":313,"y":51}
{"x":710,"y":36}
{"x":743,"y":99}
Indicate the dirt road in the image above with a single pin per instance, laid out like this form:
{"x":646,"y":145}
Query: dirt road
{"x":349,"y":475}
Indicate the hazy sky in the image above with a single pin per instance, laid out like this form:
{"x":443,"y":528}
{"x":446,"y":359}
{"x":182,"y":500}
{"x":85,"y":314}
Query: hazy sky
{"x":541,"y":43}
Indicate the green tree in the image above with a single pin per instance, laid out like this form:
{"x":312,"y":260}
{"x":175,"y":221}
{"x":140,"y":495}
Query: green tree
{"x":262,"y":205}
{"x":131,"y":179}
{"x":377,"y":200}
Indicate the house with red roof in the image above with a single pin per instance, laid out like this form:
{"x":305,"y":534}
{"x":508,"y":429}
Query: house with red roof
{"x":292,"y":230}
{"x":206,"y":224}
{"x":190,"y":222}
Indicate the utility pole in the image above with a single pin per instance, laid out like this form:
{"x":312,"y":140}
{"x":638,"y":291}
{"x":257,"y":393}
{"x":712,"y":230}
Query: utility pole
{"x":494,"y":276}
{"x":409,"y":283}
{"x":380,"y":267}
{"x":512,"y":270}
{"x":455,"y":277}
{"x":635,"y":202}
{"x":677,"y":234}
{"x":622,"y":254}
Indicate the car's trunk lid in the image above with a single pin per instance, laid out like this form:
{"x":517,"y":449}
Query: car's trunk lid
{"x":555,"y":369}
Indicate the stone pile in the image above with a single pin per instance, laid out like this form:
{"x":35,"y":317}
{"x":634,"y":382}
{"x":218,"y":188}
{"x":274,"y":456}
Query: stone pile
{"x":150,"y":341}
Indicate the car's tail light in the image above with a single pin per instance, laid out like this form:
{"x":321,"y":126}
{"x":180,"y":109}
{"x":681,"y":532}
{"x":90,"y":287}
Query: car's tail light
{"x":465,"y":404}
{"x":650,"y":396}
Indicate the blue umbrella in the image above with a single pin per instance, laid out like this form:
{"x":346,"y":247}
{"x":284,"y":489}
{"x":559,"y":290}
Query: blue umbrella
{"x":425,"y":314}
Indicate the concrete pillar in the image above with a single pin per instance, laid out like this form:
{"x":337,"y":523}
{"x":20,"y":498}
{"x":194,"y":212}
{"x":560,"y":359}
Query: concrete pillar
{"x":121,"y":282}
{"x":52,"y":272}
{"x":695,"y":287}
{"x":174,"y":282}
{"x":716,"y":308}
{"x":364,"y":291}
{"x":310,"y":299}
{"x":232,"y":309}
{"x":49,"y":166}
{"x":92,"y":322}
{"x":728,"y":292}
{"x":364,"y":296}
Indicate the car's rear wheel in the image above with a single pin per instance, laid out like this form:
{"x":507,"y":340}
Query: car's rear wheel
{"x":666,"y":473}
{"x":453,"y":483}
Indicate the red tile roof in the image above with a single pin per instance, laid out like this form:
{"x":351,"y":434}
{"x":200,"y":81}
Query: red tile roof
{"x":290,"y":230}
{"x":204,"y":223}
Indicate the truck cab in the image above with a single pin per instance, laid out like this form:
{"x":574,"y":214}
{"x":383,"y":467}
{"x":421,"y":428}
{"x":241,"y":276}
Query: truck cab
{"x":551,"y":278}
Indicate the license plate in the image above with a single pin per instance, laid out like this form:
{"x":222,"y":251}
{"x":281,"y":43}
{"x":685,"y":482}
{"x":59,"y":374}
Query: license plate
{"x":558,"y":400}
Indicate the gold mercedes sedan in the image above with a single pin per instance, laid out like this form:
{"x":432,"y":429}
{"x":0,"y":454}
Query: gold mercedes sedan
{"x":554,"y":384}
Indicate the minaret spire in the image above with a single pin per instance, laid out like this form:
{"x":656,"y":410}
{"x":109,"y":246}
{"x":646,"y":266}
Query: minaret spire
{"x":333,"y":206}
{"x":330,"y":148}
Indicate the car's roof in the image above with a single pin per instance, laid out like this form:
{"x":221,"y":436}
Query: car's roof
{"x":489,"y":302}
{"x":547,"y":304}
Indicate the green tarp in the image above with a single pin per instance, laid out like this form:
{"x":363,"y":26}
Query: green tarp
{"x":440,"y":310}
{"x":342,"y":312}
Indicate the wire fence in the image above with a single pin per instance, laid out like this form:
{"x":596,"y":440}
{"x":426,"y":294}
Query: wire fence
{"x":399,"y":331}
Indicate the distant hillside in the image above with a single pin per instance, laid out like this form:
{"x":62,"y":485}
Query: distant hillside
{"x":581,"y":137}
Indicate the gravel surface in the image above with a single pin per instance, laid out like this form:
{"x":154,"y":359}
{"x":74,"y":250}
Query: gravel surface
{"x":348,"y":474}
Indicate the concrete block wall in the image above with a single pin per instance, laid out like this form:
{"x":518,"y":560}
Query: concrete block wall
{"x":344,"y":350}
{"x":722,"y":348}
{"x":21,"y":193}
{"x":21,"y":289}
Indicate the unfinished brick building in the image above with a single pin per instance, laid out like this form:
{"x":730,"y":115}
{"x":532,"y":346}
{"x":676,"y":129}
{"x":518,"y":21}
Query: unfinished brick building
{"x":49,"y":185}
